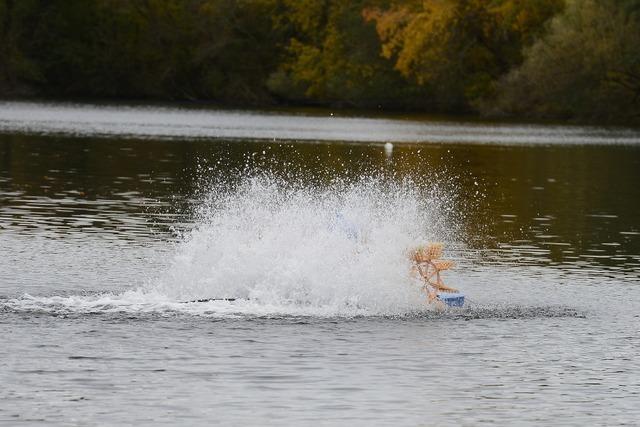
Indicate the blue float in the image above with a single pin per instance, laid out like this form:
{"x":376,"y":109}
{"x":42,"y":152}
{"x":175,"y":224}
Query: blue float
{"x":452,"y":299}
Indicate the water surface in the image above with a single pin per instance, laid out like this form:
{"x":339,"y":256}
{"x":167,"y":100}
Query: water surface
{"x":113,"y":219}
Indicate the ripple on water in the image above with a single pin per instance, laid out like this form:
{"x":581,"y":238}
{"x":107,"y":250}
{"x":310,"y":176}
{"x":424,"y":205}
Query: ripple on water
{"x":133,"y":306}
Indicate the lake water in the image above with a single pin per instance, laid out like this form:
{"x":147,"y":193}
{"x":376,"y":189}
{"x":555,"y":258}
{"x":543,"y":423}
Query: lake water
{"x":116,"y":220}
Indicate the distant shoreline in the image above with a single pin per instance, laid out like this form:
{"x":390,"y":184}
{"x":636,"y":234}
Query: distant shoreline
{"x":286,"y":125}
{"x":321,"y":109}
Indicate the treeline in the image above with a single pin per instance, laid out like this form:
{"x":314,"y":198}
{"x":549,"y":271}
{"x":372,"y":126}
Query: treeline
{"x":566,"y":59}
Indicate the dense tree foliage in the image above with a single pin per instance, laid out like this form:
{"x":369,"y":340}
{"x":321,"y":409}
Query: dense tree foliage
{"x":587,"y":66}
{"x":16,"y":68}
{"x":577,"y":59}
{"x":333,"y":56}
{"x":458,"y":48}
{"x":185,"y":49}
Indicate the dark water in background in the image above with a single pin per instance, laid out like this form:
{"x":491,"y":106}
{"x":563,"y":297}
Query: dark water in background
{"x":571,"y":205}
{"x":545,"y":231}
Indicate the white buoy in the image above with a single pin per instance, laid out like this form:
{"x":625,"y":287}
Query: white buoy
{"x":388,"y":149}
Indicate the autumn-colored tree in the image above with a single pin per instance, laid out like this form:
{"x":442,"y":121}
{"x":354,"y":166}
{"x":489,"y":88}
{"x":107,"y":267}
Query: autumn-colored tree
{"x":518,"y":57}
{"x":457,"y":49}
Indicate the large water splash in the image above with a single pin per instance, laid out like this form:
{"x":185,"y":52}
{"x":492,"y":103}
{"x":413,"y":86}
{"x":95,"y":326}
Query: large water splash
{"x":340,"y":248}
{"x":278,"y":246}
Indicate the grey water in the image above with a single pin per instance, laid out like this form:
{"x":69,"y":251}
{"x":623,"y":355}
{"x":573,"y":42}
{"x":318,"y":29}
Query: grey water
{"x":115,"y":220}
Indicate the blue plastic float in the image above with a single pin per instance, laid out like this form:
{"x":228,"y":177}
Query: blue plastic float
{"x":452,"y":299}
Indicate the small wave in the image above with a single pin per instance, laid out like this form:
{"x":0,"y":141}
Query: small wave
{"x":144,"y":303}
{"x":477,"y":312}
{"x":140,"y":305}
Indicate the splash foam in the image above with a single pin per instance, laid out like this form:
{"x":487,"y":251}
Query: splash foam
{"x":281,"y":248}
{"x":337,"y":249}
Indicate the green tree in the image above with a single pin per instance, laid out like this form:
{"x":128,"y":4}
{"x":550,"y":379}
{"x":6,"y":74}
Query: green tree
{"x":178,"y":49}
{"x":587,"y":67}
{"x":333,"y":57}
{"x":17,"y":69}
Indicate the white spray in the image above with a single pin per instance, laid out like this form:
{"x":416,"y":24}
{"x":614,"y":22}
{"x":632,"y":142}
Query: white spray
{"x":338,"y":250}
